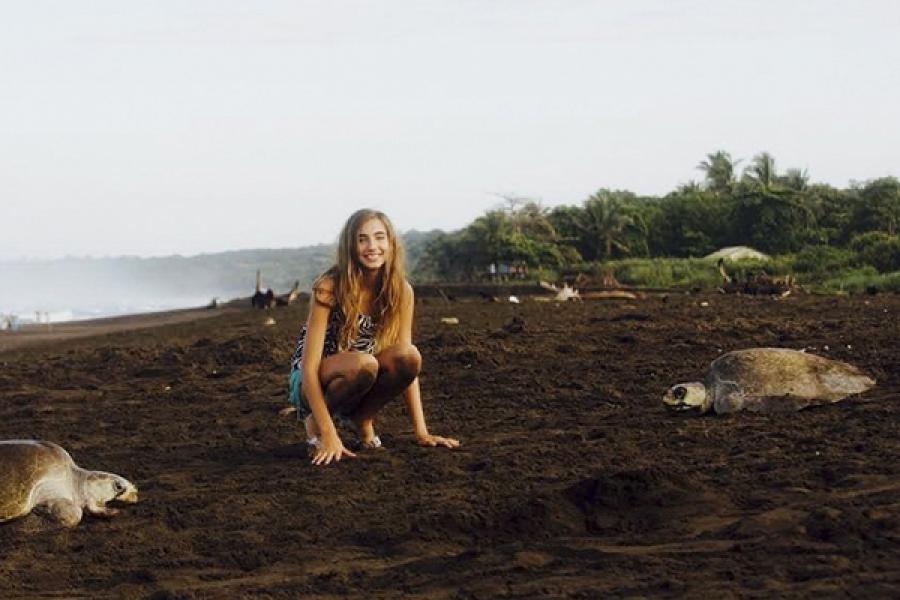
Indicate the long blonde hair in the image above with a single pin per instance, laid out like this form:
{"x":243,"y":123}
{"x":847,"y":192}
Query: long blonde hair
{"x":347,"y":275}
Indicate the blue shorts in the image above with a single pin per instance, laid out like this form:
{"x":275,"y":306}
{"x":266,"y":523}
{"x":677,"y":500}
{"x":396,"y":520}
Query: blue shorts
{"x":295,"y":397}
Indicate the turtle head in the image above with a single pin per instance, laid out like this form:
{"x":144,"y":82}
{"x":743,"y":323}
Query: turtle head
{"x":689,"y":398}
{"x":101,"y":488}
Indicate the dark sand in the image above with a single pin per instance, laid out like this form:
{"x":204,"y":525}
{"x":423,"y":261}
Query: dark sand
{"x":571,"y":482}
{"x":46,"y":333}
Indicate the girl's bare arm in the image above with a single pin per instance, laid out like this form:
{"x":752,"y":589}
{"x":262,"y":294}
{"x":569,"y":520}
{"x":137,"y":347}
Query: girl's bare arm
{"x":412,"y":394}
{"x":319,"y":311}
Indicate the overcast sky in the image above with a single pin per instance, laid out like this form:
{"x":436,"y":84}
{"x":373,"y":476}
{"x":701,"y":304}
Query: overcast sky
{"x":181,"y":127}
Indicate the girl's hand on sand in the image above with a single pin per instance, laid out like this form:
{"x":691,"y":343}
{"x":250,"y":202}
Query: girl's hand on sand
{"x":430,"y":441}
{"x":331,"y":449}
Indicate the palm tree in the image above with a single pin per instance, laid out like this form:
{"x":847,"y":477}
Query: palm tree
{"x":691,"y":187}
{"x":718,"y":169}
{"x":795,"y":179}
{"x":605,"y":224}
{"x":762,"y":171}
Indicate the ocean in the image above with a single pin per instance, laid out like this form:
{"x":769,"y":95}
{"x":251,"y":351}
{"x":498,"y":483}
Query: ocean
{"x":15,"y":315}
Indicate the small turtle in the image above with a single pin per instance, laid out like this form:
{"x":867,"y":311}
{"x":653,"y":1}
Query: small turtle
{"x":767,"y":380}
{"x":43,"y":475}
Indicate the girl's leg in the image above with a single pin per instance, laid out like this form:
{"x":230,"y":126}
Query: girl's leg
{"x":398,"y":366}
{"x":345,"y":377}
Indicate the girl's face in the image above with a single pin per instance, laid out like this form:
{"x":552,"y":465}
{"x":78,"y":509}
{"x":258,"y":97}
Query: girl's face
{"x":373,"y":247}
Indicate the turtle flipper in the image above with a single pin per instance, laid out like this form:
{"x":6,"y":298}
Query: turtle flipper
{"x":727,"y":396}
{"x":735,"y":402}
{"x":730,"y":397}
{"x":728,"y":404}
{"x":65,"y":511}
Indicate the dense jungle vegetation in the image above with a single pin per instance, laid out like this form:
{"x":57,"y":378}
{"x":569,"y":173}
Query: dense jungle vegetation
{"x":830,"y":239}
{"x":833,"y":239}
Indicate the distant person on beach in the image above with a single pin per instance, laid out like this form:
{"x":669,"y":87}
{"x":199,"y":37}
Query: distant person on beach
{"x":355,"y":352}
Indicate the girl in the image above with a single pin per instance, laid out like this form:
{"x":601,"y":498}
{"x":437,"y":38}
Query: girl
{"x":355,"y":352}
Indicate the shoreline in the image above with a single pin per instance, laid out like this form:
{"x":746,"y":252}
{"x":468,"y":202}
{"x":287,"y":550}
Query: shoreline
{"x":35,"y":334}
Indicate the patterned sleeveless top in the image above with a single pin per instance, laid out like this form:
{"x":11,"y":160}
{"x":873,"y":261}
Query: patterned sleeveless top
{"x":365,"y":342}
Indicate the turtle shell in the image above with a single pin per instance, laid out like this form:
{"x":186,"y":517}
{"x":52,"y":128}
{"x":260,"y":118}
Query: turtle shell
{"x":773,"y":379}
{"x":23,"y":463}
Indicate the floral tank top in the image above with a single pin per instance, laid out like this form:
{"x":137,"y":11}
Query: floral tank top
{"x":365,"y":341}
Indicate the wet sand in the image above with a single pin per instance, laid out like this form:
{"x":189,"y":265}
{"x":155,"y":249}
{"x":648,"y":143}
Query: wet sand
{"x":48,"y":333}
{"x":572,"y":480}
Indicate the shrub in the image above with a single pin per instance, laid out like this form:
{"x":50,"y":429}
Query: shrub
{"x":878,"y":249}
{"x":666,"y":273}
{"x":860,"y":281}
{"x":820,"y":261}
{"x":819,"y":269}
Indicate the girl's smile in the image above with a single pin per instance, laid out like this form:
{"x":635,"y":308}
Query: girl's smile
{"x":373,"y":247}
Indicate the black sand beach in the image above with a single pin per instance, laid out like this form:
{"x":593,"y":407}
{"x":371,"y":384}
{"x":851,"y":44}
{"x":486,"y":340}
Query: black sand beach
{"x":572,"y":481}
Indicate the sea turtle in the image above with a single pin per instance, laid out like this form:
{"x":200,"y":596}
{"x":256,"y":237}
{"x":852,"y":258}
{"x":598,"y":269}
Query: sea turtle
{"x":767,"y":380}
{"x":43,"y":475}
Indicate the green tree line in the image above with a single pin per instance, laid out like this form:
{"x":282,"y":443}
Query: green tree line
{"x":776,"y":212}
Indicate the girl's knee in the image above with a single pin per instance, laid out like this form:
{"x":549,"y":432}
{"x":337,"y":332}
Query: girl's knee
{"x":359,"y":375}
{"x":407,"y":361}
{"x":365,"y":372}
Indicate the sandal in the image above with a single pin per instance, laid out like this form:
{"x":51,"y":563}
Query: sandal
{"x":287,"y":411}
{"x":375,"y":442}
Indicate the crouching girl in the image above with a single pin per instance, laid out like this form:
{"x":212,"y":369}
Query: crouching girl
{"x":355,"y":352}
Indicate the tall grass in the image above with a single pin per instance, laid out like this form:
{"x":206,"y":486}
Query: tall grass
{"x":665,"y":272}
{"x":858,"y":281}
{"x":821,"y":270}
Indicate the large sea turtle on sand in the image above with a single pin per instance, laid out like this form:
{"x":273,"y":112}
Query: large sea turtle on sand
{"x":767,"y":380}
{"x":36,"y":474}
